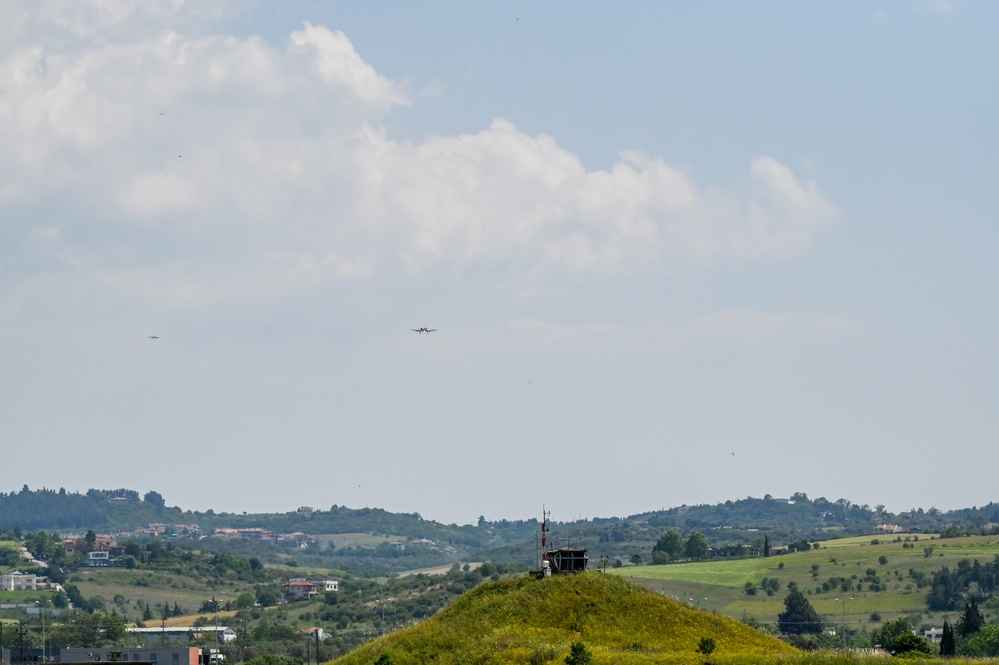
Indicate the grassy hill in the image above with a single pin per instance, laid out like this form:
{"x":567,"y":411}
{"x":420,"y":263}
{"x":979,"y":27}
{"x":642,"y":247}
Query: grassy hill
{"x":719,"y":585}
{"x":535,"y":621}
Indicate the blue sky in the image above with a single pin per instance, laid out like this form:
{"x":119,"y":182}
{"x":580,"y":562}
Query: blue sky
{"x":675,"y":253}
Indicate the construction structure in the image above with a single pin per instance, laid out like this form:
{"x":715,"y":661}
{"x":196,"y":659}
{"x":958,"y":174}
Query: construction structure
{"x":561,"y":560}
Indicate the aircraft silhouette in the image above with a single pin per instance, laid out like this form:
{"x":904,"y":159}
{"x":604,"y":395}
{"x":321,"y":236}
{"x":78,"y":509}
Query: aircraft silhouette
{"x":154,"y":337}
{"x":424,"y":330}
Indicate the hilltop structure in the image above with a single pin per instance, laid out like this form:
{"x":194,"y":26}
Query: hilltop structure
{"x":561,"y":560}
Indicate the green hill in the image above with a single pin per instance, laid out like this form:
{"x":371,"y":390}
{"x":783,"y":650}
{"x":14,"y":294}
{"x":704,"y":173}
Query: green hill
{"x":846,"y":569}
{"x":535,"y":621}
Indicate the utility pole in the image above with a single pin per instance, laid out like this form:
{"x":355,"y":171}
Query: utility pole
{"x":41,"y":611}
{"x":21,"y":631}
{"x":844,"y":618}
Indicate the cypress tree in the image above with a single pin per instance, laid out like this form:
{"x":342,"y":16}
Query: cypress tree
{"x":947,"y":643}
{"x":972,"y":621}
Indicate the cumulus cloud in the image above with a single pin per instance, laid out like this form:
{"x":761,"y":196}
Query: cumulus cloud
{"x":274,"y":160}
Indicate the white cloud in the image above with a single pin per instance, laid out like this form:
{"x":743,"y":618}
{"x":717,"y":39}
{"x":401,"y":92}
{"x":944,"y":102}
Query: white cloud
{"x":337,"y":63}
{"x":236,"y":157}
{"x":945,"y":7}
{"x":71,"y":23}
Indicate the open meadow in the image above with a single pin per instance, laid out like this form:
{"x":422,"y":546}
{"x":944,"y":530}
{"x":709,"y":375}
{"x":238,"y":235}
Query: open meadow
{"x":847,"y":580}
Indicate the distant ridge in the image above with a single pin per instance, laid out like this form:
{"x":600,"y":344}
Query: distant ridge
{"x":535,"y":621}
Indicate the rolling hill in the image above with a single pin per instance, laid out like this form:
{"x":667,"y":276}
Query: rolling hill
{"x":528,"y":620}
{"x":848,"y":580}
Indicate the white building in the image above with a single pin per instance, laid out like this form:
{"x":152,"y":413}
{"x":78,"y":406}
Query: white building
{"x":18,"y":581}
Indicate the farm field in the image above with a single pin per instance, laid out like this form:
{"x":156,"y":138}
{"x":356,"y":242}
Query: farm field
{"x":720,"y":585}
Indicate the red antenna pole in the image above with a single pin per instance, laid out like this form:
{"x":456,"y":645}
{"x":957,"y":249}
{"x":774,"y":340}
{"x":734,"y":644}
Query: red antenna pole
{"x":544,"y":533}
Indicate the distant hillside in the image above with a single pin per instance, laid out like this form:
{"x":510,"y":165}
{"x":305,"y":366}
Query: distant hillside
{"x":48,"y":509}
{"x":305,"y":537}
{"x":124,"y":510}
{"x":536,"y":621}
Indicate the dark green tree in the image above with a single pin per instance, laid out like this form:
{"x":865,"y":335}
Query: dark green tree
{"x":669,"y":547}
{"x":578,"y":654}
{"x":95,"y":630}
{"x":798,"y":617}
{"x":696,"y":546}
{"x":984,"y":644}
{"x":154,"y":499}
{"x":945,"y":591}
{"x":948,"y":647}
{"x":766,"y":545}
{"x":910,"y":643}
{"x":891,"y":631}
{"x":245,"y":600}
{"x":267,"y":596}
{"x":706,"y":645}
{"x":971,"y":621}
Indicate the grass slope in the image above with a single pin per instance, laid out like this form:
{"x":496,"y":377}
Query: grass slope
{"x":719,"y":585}
{"x":535,"y":621}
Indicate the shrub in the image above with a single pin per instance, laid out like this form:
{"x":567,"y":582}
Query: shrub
{"x":578,"y":654}
{"x":543,"y":655}
{"x":910,"y":643}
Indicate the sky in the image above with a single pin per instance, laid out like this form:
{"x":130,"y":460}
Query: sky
{"x":674,"y":253}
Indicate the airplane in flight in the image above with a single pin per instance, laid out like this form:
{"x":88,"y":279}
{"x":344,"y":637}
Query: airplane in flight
{"x":424,"y":330}
{"x":154,"y":336}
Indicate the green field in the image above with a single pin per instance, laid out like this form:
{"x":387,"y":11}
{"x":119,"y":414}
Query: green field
{"x":22,"y":597}
{"x":719,"y":585}
{"x":152,"y":587}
